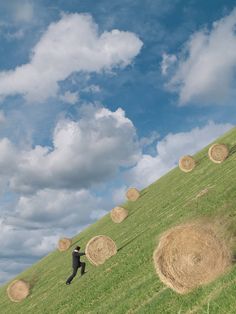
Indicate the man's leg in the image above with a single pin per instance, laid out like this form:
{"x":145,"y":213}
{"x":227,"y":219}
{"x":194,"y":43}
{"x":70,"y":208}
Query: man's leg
{"x":75,"y":269}
{"x":82,"y":264}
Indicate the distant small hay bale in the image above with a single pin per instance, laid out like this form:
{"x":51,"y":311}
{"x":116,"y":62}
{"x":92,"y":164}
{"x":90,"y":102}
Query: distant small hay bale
{"x":132,"y":194}
{"x":18,"y":290}
{"x":118,"y":214}
{"x":64,"y":244}
{"x":99,"y":249}
{"x":189,"y":256}
{"x":187,"y":163}
{"x":218,"y":153}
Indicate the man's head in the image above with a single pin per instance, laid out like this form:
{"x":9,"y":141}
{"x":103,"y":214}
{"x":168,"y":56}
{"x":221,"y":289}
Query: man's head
{"x":77,"y":248}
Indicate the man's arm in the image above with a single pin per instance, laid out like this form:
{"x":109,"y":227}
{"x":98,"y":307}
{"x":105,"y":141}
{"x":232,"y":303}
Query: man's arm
{"x":81,"y":253}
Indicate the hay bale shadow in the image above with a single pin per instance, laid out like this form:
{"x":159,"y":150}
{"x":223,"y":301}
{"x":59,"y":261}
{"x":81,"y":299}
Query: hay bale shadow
{"x":142,"y":193}
{"x":33,"y":279}
{"x":232,"y":150}
{"x":131,"y":240}
{"x":234,"y":259}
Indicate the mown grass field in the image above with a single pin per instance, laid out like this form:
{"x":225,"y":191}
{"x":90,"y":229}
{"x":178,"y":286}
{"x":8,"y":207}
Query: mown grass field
{"x":127,"y":283}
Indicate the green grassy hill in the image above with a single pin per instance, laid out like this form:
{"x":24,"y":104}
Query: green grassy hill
{"x":127,"y":283}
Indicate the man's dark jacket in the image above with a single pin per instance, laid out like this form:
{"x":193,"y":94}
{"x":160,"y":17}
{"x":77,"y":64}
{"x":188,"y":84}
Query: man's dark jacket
{"x":76,"y":258}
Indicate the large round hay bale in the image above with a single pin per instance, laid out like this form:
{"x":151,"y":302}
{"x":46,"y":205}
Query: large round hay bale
{"x":218,"y":153}
{"x":190,"y":255}
{"x":132,"y":194}
{"x":18,"y":290}
{"x":64,"y":244}
{"x":99,"y":249}
{"x":118,"y":214}
{"x":187,"y":163}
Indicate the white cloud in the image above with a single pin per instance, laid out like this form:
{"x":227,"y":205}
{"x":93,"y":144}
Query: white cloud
{"x":73,"y":44}
{"x":57,"y":208}
{"x":170,"y":149}
{"x":84,"y":153}
{"x":206,"y":69}
{"x":167,"y":62}
{"x":70,"y":97}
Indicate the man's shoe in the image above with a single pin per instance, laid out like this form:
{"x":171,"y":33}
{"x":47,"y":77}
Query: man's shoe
{"x":68,"y":283}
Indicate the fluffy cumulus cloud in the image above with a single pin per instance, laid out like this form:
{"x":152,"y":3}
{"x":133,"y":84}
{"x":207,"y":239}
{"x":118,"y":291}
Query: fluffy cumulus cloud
{"x":206,"y":69}
{"x":73,"y":44}
{"x":84,"y":152}
{"x":57,"y":209}
{"x":170,"y":149}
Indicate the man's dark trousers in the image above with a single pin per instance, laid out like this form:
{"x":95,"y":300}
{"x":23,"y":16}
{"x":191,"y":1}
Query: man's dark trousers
{"x":75,"y":269}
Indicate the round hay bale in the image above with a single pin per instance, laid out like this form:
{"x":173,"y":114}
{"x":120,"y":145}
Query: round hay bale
{"x":132,"y":194}
{"x":99,"y":249}
{"x":64,"y":244}
{"x":218,"y":153}
{"x":18,"y":290}
{"x":190,"y":255}
{"x":187,"y":163}
{"x":118,"y":214}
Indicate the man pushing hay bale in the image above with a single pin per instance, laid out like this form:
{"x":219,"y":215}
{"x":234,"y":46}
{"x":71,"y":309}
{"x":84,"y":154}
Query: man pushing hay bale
{"x":218,"y":153}
{"x":132,"y":194}
{"x":190,"y":255}
{"x":18,"y":290}
{"x":99,"y":249}
{"x":64,"y":244}
{"x":187,"y":163}
{"x":118,"y":214}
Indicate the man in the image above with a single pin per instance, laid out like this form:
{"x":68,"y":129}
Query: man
{"x":76,"y":263}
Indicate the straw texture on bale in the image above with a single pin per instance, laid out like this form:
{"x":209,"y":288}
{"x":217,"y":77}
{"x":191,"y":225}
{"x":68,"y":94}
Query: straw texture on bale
{"x":132,"y":194}
{"x":99,"y":249}
{"x":118,"y":214}
{"x":64,"y":244}
{"x":187,"y":163}
{"x":18,"y":290}
{"x":189,"y":256}
{"x":218,"y":153}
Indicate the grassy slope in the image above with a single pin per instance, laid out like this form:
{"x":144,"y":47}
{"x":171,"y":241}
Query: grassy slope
{"x":127,"y":283}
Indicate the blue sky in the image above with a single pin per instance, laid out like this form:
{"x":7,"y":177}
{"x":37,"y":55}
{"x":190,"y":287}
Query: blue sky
{"x":97,"y":96}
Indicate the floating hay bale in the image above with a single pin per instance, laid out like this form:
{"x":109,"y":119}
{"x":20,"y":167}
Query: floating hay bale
{"x":118,"y":214}
{"x":18,"y":290}
{"x":187,"y":163}
{"x":218,"y":153}
{"x":99,"y":249}
{"x":132,"y":194}
{"x":190,"y":255}
{"x":64,"y":244}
